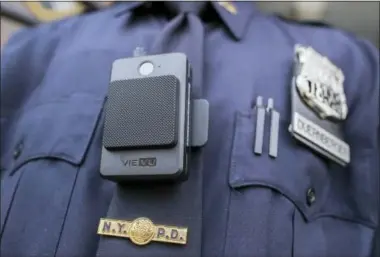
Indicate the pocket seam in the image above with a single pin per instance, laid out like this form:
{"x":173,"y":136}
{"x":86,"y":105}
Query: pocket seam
{"x":27,"y":159}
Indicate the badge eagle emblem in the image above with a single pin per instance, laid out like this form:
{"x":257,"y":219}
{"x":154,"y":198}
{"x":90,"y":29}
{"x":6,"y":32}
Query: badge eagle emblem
{"x":320,"y":84}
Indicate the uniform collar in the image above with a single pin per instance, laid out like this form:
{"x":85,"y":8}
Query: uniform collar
{"x":235,"y":15}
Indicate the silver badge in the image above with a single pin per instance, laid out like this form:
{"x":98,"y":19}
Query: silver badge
{"x":318,"y":104}
{"x":320,"y":84}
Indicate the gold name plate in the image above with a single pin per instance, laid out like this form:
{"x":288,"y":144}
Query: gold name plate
{"x":142,"y":231}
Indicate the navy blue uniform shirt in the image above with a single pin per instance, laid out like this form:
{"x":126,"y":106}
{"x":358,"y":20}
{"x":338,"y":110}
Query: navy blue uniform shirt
{"x":54,"y":80}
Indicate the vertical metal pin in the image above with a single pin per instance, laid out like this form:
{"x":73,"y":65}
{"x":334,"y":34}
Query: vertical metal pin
{"x":260,"y":121}
{"x":274,"y":129}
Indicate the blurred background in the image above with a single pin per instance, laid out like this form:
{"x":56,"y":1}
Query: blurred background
{"x":361,"y":18}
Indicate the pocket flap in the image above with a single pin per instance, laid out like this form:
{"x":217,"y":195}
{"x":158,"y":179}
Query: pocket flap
{"x":315,"y":185}
{"x":61,"y":129}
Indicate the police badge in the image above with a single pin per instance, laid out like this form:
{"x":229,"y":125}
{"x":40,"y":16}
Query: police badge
{"x":319,"y":104}
{"x":320,"y":84}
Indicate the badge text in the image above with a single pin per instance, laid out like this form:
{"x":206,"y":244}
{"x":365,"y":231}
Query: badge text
{"x":142,"y":231}
{"x":321,"y":138}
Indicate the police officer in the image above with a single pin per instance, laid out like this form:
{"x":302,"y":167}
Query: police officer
{"x":236,"y":201}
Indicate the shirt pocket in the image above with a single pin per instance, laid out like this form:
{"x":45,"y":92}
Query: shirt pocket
{"x":298,"y":204}
{"x":49,"y":145}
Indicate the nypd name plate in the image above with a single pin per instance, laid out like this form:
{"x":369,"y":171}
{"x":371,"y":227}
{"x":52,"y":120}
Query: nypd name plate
{"x":142,"y":231}
{"x":320,"y":139}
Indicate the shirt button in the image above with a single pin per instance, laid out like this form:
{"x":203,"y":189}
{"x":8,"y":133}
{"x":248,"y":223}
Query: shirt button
{"x":310,"y":196}
{"x":17,"y":151}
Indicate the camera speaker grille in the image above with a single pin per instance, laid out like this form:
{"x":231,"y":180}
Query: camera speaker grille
{"x":142,"y":113}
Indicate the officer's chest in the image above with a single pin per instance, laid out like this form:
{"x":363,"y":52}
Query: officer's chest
{"x":291,"y":205}
{"x":312,"y":186}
